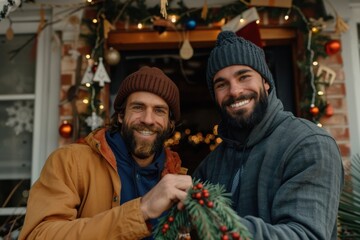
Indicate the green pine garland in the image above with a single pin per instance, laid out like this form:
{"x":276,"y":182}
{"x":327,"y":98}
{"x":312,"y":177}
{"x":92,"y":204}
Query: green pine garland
{"x":207,"y":211}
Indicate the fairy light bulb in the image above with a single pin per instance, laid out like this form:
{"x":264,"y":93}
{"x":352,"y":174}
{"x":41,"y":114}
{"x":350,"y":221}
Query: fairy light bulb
{"x":89,"y":1}
{"x":94,"y":20}
{"x":320,"y":93}
{"x":314,"y":29}
{"x":173,"y":18}
{"x":86,"y":101}
{"x":242,"y":20}
{"x":258,"y":21}
{"x":101,"y":107}
{"x":140,"y":26}
{"x":315,"y":63}
{"x":88,"y":85}
{"x":177,"y":135}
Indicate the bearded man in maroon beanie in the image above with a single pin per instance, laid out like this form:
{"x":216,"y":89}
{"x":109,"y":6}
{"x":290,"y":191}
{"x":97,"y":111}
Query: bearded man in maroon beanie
{"x":116,"y":184}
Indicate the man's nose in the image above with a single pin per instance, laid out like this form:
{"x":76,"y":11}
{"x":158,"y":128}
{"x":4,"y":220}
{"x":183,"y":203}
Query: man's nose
{"x":235,"y":89}
{"x":148,"y":117}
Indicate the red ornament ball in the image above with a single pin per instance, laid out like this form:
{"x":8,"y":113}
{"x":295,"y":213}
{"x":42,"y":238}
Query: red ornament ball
{"x":332,"y":47}
{"x":329,"y":111}
{"x":314,"y":110}
{"x":66,"y":129}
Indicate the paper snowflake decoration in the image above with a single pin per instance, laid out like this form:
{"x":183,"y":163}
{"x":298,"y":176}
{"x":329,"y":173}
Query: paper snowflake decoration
{"x":21,"y":116}
{"x":94,"y":121}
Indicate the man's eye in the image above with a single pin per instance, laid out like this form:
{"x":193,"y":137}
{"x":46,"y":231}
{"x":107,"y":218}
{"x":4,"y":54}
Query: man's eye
{"x":137,"y":107}
{"x":244,"y":77}
{"x":219,"y":85}
{"x":160,"y":111}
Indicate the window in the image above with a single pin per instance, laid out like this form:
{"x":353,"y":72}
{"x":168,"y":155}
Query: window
{"x":25,"y":110}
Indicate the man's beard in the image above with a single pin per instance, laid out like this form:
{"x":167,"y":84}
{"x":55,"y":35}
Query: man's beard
{"x":241,"y":120}
{"x":139,"y":148}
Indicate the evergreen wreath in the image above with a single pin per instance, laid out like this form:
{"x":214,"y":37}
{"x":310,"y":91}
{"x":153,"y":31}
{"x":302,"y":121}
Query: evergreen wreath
{"x":207,"y":211}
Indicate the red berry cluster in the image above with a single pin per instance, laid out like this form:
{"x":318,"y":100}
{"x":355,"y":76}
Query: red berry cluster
{"x":166,"y":225}
{"x":226,"y":234}
{"x":202,"y":195}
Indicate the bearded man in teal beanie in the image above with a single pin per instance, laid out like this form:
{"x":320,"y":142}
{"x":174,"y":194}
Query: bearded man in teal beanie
{"x":285,"y":173}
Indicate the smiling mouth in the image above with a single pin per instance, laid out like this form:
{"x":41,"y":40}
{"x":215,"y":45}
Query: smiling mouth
{"x":240,"y":103}
{"x":146,"y":132}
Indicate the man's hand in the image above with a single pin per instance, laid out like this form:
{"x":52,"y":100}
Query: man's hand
{"x":171,"y":189}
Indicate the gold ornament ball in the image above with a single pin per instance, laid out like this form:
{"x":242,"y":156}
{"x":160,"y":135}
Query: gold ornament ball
{"x":112,"y":56}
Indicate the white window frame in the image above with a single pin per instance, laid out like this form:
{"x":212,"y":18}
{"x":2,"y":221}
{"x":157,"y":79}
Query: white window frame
{"x":46,"y":95}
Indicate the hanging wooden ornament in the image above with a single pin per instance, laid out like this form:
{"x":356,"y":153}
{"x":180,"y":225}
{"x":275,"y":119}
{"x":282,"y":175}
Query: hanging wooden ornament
{"x":94,"y":121}
{"x":186,"y":51}
{"x":101,"y":75}
{"x":107,"y":27}
{"x":163,"y":4}
{"x":326,"y":75}
{"x":204,"y":11}
{"x":66,"y":129}
{"x":9,"y":33}
{"x":42,"y":21}
{"x":341,"y":26}
{"x":88,"y":74}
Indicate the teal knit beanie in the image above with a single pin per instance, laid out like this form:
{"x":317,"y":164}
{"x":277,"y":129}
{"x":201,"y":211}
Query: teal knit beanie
{"x":233,"y":50}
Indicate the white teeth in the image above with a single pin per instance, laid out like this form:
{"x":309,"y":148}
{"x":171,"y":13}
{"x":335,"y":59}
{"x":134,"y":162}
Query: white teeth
{"x":146,"y":133}
{"x":239,"y":104}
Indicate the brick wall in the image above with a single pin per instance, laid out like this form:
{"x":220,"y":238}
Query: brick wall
{"x":70,"y":110}
{"x":337,"y":124}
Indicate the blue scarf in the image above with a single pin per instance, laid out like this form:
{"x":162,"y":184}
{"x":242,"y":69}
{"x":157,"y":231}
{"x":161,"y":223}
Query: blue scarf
{"x":136,"y":181}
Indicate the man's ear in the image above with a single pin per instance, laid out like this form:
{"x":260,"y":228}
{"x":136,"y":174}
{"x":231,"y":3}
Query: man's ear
{"x":120,"y":117}
{"x":266,"y":85}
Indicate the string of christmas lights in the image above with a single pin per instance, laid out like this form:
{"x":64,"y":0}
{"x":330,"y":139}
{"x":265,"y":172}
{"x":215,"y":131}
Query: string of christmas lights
{"x":184,"y":19}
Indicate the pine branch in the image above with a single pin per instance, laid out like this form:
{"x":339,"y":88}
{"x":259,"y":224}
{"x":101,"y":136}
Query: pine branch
{"x":207,"y":210}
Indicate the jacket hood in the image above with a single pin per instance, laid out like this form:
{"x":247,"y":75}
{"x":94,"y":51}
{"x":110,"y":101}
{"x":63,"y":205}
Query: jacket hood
{"x":96,"y":140}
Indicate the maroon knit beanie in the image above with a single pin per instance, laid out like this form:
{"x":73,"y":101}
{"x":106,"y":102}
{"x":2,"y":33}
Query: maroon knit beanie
{"x":153,"y":80}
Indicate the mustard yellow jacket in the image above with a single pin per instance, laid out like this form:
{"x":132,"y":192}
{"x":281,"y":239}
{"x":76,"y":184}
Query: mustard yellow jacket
{"x":77,"y":195}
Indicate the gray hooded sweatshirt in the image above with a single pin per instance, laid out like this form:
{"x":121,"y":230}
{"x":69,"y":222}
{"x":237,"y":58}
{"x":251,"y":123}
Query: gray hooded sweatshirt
{"x":285,"y":179}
